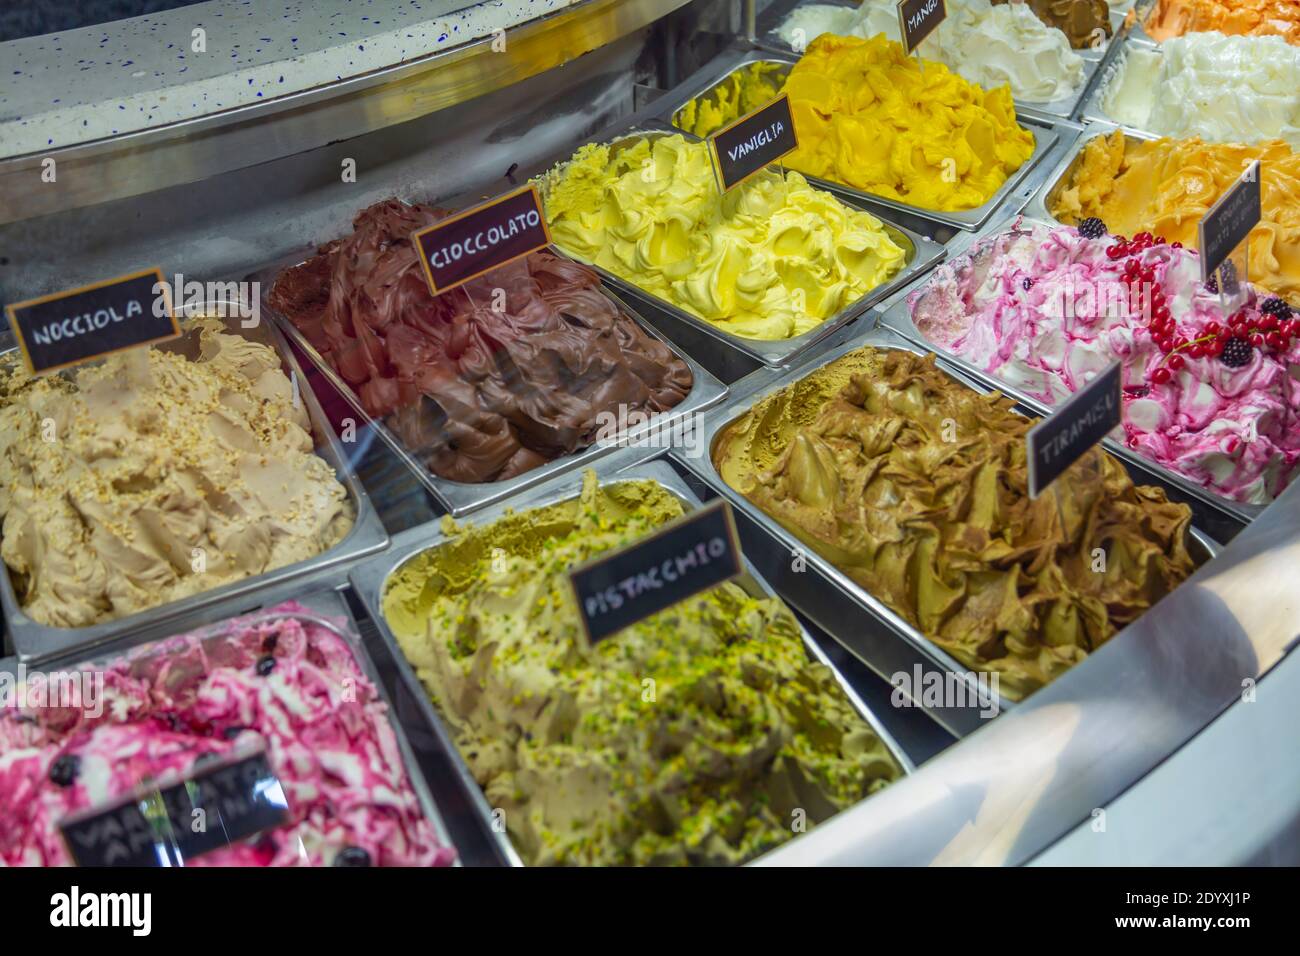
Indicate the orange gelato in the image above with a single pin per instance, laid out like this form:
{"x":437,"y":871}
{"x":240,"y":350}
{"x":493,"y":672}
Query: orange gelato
{"x":1173,"y":18}
{"x":1165,"y":186}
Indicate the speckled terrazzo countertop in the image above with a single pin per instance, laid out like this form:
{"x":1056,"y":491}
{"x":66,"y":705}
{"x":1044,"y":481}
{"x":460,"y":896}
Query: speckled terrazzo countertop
{"x":63,"y":89}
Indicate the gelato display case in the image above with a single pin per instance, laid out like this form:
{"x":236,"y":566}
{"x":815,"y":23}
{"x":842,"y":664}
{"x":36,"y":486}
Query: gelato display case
{"x":341,"y":536}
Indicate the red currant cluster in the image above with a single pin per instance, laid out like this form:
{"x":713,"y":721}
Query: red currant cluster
{"x":1123,"y":248}
{"x":1264,"y":329}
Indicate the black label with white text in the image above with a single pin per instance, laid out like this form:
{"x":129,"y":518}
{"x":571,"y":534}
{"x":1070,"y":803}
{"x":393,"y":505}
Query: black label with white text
{"x":464,"y":246}
{"x":1057,"y":442}
{"x":917,"y":19}
{"x":691,"y":554}
{"x":1229,"y":221}
{"x":65,"y":328}
{"x":753,"y":141}
{"x":165,"y":826}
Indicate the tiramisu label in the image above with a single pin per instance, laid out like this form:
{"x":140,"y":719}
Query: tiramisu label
{"x":1057,"y":442}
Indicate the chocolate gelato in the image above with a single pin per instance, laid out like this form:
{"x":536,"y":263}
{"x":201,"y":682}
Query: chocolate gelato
{"x":491,"y":379}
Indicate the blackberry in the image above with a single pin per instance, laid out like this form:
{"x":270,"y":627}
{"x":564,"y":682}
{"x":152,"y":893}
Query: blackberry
{"x":1213,"y":284}
{"x":1092,"y":228}
{"x":1228,"y":273}
{"x":265,"y":665}
{"x":1236,"y":352}
{"x":1275,"y":306}
{"x":352,"y":856}
{"x":65,"y":770}
{"x":1027,"y":284}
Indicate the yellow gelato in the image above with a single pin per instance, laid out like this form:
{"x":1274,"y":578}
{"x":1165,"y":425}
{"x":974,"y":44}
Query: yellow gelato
{"x":742,"y":92}
{"x":916,"y":488}
{"x":771,"y":259}
{"x":1166,"y":186}
{"x":692,"y":737}
{"x":868,"y":116}
{"x":150,"y":477}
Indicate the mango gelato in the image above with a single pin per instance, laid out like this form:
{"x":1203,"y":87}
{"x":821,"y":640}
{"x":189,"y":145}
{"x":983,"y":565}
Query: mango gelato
{"x":150,"y":477}
{"x":917,"y":488}
{"x":1165,"y":187}
{"x":691,"y":737}
{"x":771,"y":259}
{"x":868,"y":116}
{"x":1173,"y":18}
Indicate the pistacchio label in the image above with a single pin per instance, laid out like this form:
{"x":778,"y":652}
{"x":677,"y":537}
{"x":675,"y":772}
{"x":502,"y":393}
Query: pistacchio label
{"x":692,"y":554}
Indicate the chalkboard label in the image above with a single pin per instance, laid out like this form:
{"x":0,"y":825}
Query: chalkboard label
{"x":162,"y":826}
{"x":478,"y":240}
{"x":917,"y":19}
{"x":1059,"y":441}
{"x":692,"y":554}
{"x":66,"y":328}
{"x":1229,"y":221}
{"x":752,"y":142}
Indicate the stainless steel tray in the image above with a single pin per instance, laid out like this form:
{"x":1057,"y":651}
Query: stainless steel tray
{"x":896,"y":315}
{"x":323,"y":608}
{"x":1059,"y":176}
{"x":33,"y":641}
{"x":770,"y":21}
{"x":727,"y":62}
{"x":370,"y":578}
{"x":1092,"y":108}
{"x":920,"y":255}
{"x":460,"y":497}
{"x":861,"y":644}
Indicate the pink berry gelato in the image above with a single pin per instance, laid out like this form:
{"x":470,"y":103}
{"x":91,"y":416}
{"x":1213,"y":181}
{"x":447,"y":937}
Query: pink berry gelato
{"x":275,"y":679}
{"x":1209,"y":396}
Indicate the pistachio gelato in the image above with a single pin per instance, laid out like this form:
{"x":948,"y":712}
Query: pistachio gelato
{"x":150,"y":477}
{"x":688,"y":738}
{"x":917,"y":488}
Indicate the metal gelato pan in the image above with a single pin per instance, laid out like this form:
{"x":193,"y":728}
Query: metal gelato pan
{"x":324,"y":608}
{"x":34,"y":641}
{"x":772,"y":18}
{"x":460,"y":497}
{"x":920,"y":254}
{"x":897,"y":315}
{"x":716,"y":74}
{"x":861,"y":622}
{"x":370,"y":580}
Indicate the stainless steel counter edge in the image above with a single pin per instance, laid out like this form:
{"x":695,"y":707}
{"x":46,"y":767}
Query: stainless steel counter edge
{"x":1016,"y":786}
{"x":895,"y":315}
{"x":188,"y":151}
{"x":368,"y":580}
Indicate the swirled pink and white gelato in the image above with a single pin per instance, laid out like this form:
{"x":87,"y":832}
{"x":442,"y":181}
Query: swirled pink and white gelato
{"x":1212,"y":397}
{"x":281,"y":681}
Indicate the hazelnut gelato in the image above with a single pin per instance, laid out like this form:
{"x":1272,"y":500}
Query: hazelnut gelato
{"x":150,"y":477}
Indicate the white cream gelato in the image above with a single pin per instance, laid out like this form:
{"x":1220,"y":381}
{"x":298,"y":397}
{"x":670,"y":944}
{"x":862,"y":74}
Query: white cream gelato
{"x":986,"y":44}
{"x":1224,"y":89}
